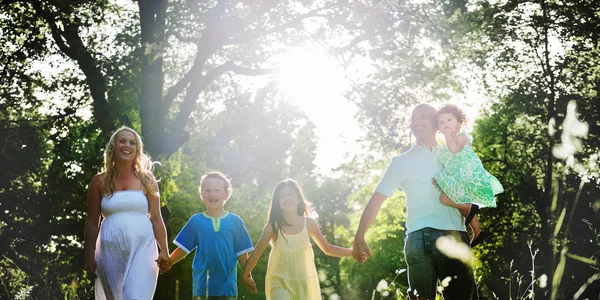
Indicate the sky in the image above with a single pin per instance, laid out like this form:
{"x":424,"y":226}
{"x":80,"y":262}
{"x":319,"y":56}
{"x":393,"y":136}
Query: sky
{"x":316,"y":84}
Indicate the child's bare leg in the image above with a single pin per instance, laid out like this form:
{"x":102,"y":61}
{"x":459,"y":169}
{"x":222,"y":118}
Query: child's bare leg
{"x":478,"y":234}
{"x":475,"y":226}
{"x":463,"y":207}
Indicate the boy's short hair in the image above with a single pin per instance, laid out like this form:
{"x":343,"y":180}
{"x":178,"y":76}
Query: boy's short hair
{"x":217,"y":175}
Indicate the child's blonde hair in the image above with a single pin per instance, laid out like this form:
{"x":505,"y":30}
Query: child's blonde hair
{"x":217,"y":175}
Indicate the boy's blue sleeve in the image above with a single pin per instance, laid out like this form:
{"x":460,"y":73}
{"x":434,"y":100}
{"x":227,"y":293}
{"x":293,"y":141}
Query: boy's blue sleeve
{"x":187,"y":238}
{"x":391,"y":179}
{"x":242,"y":242}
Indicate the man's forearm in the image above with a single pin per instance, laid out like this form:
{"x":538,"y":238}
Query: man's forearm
{"x":370,"y":213}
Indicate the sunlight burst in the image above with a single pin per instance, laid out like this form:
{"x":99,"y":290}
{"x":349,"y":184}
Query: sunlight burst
{"x":311,"y":80}
{"x":316,"y":84}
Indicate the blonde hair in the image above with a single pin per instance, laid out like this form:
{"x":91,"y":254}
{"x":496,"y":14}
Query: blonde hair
{"x":217,"y":175}
{"x":142,"y":165}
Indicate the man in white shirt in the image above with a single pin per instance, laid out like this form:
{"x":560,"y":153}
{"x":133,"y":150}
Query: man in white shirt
{"x":426,"y":218}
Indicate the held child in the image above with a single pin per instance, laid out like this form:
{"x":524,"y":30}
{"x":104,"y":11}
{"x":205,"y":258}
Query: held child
{"x":220,"y":239}
{"x":465,"y":184}
{"x":291,"y":271}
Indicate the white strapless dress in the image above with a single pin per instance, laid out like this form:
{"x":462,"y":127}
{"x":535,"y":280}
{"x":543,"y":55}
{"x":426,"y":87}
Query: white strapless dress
{"x":126,"y":249}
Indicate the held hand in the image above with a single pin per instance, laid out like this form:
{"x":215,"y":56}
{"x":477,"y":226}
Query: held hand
{"x":360,"y":249}
{"x":90,"y":268}
{"x":249,"y":283}
{"x":164,"y":262}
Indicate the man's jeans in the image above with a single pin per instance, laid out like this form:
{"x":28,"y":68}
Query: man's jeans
{"x":426,"y":264}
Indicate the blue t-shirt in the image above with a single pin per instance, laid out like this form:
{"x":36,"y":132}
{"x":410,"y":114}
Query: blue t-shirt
{"x":414,"y":171}
{"x":218,"y":243}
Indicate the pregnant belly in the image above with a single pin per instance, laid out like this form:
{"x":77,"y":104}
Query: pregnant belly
{"x":126,"y":229}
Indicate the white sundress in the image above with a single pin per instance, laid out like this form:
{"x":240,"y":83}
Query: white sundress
{"x":126,"y":249}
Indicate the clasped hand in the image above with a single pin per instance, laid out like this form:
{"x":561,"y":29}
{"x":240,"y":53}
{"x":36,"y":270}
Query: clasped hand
{"x":249,"y":283}
{"x":164,"y":262}
{"x":360,"y":250}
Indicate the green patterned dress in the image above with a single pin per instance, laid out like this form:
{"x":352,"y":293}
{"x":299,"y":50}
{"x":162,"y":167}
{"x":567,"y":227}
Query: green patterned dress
{"x":464,"y":179}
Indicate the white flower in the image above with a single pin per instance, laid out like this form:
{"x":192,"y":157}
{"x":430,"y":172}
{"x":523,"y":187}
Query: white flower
{"x":543,"y":281}
{"x":454,"y":248}
{"x":382,"y":286}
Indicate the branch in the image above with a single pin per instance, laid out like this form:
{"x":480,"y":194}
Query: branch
{"x":194,"y":90}
{"x":210,"y":43}
{"x":258,"y":33}
{"x":194,"y":72}
{"x":354,"y":42}
{"x":239,"y":70}
{"x":76,"y":50}
{"x":206,"y":47}
{"x":180,"y":37}
{"x":57,"y":35}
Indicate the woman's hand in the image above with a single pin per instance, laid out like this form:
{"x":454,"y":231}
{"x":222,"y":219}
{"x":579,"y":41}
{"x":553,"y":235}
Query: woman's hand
{"x":164,"y":262}
{"x":90,"y":267}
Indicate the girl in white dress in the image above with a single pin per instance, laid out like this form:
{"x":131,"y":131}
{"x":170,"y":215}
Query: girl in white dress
{"x":121,"y":253}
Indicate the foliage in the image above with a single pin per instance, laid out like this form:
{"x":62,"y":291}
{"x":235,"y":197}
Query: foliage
{"x":184,"y":73}
{"x":386,"y":240}
{"x":535,"y":49}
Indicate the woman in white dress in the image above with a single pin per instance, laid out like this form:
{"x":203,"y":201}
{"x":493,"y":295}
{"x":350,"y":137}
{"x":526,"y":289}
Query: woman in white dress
{"x":121,"y":253}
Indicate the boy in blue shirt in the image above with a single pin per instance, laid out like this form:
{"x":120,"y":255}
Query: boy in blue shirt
{"x":220,"y":239}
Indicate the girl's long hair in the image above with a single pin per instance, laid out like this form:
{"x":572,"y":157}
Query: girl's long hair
{"x":276,"y":214}
{"x":142,"y":165}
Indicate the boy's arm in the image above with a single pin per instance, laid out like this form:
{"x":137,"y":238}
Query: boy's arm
{"x":250,"y":262}
{"x":455,"y":144}
{"x":242,"y":259}
{"x":186,"y":240}
{"x":177,"y":255}
{"x":326,"y":247}
{"x":247,"y":280}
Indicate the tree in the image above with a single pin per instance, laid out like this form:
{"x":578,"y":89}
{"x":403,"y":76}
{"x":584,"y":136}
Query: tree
{"x":523,"y":40}
{"x":222,"y":37}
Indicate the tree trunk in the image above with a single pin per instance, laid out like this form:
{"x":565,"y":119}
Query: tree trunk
{"x":70,"y":43}
{"x":544,"y":205}
{"x":152,"y":27}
